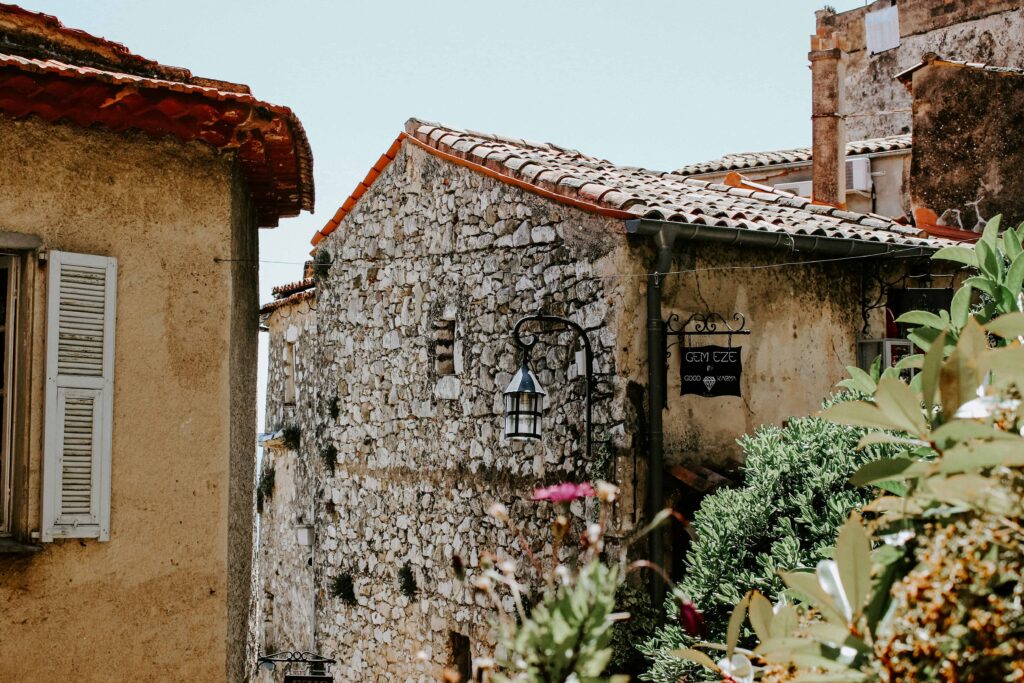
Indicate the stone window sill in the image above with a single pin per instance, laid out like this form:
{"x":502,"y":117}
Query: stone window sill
{"x":9,"y":546}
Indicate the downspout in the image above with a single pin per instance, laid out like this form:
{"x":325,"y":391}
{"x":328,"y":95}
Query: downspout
{"x":656,"y":396}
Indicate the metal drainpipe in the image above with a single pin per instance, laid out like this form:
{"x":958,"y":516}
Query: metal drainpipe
{"x":663,"y":240}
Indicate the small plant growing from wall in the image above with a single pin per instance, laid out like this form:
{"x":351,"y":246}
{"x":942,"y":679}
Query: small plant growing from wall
{"x":407,"y":581}
{"x":321,"y":265}
{"x":343,"y":588}
{"x":265,"y":488}
{"x":291,"y":436}
{"x":335,"y":407}
{"x":329,"y":455}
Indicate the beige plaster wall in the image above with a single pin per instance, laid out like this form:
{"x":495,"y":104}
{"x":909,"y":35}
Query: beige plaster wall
{"x":153,"y":602}
{"x":804,"y":323}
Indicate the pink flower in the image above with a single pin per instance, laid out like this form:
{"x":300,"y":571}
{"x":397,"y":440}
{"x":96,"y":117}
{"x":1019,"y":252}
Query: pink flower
{"x":690,"y":618}
{"x":565,"y":492}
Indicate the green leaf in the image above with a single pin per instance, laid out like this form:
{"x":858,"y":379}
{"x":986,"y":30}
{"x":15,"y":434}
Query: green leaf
{"x":982,"y":284}
{"x":989,"y":262}
{"x":697,"y":657}
{"x":785,"y":621}
{"x":1012,"y":245}
{"x":964,"y":255}
{"x":880,"y":470}
{"x":912,"y":362}
{"x":735,"y":621}
{"x":991,"y":232}
{"x":901,"y":406}
{"x":807,"y":585}
{"x":1007,"y":326}
{"x":924,"y":337}
{"x":761,"y":616}
{"x":964,"y":430}
{"x":959,"y":377}
{"x":922,"y":318}
{"x":859,"y":381}
{"x":980,"y":455}
{"x":960,"y":307}
{"x":1015,"y":275}
{"x":859,"y":414}
{"x":853,"y":558}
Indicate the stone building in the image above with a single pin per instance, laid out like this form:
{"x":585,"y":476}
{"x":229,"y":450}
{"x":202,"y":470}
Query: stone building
{"x":878,"y":42}
{"x":400,"y":364}
{"x":130,"y":197}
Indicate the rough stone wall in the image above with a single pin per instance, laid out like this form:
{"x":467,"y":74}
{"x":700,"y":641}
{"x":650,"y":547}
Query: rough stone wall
{"x":969,"y":143}
{"x":429,"y":273}
{"x":283,"y":618}
{"x":973,"y":30}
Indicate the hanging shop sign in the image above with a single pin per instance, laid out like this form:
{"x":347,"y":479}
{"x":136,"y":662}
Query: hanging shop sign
{"x":709,"y":370}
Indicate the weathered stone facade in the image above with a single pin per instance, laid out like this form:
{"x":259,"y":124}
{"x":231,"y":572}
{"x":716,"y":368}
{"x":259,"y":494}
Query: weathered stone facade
{"x":430,"y":270}
{"x":972,"y":30}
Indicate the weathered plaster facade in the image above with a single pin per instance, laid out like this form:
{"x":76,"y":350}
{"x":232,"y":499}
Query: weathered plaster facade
{"x":166,"y":596}
{"x":971,"y":30}
{"x":433,"y":247}
{"x":968,"y":147}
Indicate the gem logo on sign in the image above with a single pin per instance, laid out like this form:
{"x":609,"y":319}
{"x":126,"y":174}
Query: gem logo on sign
{"x":709,"y":382}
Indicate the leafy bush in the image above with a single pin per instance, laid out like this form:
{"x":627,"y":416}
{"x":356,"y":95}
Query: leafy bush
{"x":265,"y":488}
{"x":931,"y":589}
{"x":291,"y":436}
{"x":321,"y":265}
{"x":407,"y":581}
{"x":795,"y":496}
{"x":629,"y":635}
{"x":329,"y":455}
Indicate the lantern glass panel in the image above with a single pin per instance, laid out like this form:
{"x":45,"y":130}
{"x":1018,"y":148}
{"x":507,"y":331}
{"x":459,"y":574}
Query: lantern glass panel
{"x":523,"y":419}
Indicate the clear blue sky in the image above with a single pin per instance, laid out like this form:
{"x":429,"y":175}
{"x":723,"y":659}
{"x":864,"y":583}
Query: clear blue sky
{"x":653,"y":83}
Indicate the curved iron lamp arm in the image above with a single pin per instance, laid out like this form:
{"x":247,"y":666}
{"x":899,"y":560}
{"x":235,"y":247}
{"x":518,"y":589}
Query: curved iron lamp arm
{"x":527,"y":344}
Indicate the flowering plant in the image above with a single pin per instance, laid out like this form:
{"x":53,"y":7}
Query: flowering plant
{"x":566,"y":635}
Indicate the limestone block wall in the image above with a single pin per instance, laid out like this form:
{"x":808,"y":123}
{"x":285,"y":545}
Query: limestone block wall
{"x":413,"y":339}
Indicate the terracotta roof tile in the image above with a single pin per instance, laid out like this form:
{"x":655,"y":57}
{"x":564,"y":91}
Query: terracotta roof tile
{"x":269,"y":141}
{"x":799,"y":155}
{"x":597,"y":185}
{"x":292,"y":287}
{"x":304,"y":295}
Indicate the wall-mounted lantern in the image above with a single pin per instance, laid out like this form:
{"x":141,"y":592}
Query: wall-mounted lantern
{"x":524,"y":405}
{"x":524,"y":397}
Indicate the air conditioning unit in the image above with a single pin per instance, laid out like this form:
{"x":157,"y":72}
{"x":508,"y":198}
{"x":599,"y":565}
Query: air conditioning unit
{"x":858,"y":174}
{"x":801,"y":189}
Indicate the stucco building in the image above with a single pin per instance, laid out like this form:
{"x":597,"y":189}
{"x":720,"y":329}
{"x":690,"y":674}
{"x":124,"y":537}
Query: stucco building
{"x":391,"y":361}
{"x":130,"y":200}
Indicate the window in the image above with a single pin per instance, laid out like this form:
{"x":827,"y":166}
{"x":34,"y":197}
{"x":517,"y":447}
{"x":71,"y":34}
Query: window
{"x":8,"y":307}
{"x":79,"y":393}
{"x":444,"y":347}
{"x":291,"y":337}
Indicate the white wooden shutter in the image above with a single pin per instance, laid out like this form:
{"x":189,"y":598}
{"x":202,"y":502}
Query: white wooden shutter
{"x":79,"y":396}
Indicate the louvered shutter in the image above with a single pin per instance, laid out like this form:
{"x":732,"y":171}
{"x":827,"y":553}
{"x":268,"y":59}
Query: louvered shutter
{"x":79,"y":396}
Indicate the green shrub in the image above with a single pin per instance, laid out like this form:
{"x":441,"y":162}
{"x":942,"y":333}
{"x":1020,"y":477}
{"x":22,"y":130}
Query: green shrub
{"x":265,"y":488}
{"x":343,"y":588}
{"x":794,"y":497}
{"x":291,"y":436}
{"x":407,"y":581}
{"x":629,"y":635}
{"x":321,"y":265}
{"x":329,"y":455}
